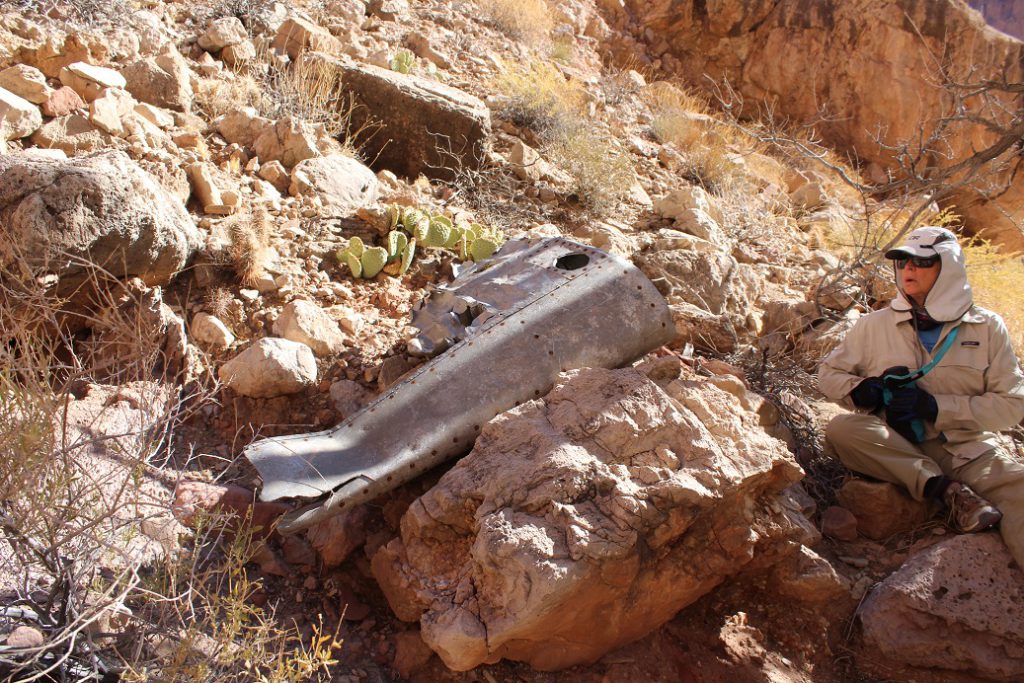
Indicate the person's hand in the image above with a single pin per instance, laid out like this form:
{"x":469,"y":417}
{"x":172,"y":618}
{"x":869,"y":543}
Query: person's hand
{"x":868,"y":394}
{"x":908,"y":403}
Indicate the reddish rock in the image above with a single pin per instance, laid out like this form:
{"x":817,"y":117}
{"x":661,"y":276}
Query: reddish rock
{"x":411,"y":653}
{"x":26,"y":637}
{"x":882,"y":509}
{"x":297,"y":552}
{"x":838,"y":522}
{"x":192,"y":497}
{"x":336,"y":537}
{"x":61,"y":102}
{"x":957,"y":605}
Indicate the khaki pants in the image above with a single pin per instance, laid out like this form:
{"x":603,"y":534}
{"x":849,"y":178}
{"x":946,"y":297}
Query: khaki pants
{"x":867,"y":445}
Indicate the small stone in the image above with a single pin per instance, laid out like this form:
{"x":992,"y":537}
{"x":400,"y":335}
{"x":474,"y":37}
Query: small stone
{"x":27,"y":82}
{"x":211,"y":332}
{"x":220,"y":33}
{"x":838,"y":522}
{"x":234,"y":55}
{"x":270,"y":367}
{"x":24,"y":637}
{"x":62,"y":102}
{"x":305,"y":322}
{"x":19,"y":118}
{"x":89,"y":81}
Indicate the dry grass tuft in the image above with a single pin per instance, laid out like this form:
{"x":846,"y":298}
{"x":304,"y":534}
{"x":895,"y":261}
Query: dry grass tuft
{"x":996,"y":278}
{"x":601,"y":170}
{"x":529,"y":21}
{"x":250,"y":239}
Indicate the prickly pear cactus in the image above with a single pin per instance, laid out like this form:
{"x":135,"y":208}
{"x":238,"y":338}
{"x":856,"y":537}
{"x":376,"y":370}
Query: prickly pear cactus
{"x":407,"y":255}
{"x":373,"y":260}
{"x":354,"y":264}
{"x":438,"y":233}
{"x":356,"y":246}
{"x":393,"y":215}
{"x":482,"y":247}
{"x":396,"y":244}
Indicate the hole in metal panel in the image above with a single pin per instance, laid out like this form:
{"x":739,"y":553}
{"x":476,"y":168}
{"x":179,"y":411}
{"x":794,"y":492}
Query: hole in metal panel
{"x":572,"y":261}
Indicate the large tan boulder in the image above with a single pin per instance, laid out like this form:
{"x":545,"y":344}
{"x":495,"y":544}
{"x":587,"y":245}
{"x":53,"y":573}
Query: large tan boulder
{"x":342,"y":183}
{"x":89,"y":80}
{"x":56,"y":216}
{"x":586,"y":519}
{"x":221,"y":33}
{"x":958,"y":605}
{"x":422,"y":126}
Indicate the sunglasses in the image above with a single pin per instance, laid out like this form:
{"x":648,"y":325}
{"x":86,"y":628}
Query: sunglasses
{"x":918,"y":261}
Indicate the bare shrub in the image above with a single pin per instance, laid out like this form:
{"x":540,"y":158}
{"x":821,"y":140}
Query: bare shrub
{"x":91,"y":558}
{"x":602,"y":172}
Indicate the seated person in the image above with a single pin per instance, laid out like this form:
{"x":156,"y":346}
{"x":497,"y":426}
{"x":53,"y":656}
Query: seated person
{"x":933,"y":377}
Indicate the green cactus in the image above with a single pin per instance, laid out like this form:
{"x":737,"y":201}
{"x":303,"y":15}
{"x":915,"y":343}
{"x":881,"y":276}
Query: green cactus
{"x":453,"y":239}
{"x":409,"y":217}
{"x":483,"y":247}
{"x":354,"y":264}
{"x":373,"y":260}
{"x":396,"y":244}
{"x":393,"y":214}
{"x":407,"y":254}
{"x":403,"y":61}
{"x":356,"y":246}
{"x":438,"y":234}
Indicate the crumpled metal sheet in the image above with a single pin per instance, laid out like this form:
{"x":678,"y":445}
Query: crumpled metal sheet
{"x":510,"y":325}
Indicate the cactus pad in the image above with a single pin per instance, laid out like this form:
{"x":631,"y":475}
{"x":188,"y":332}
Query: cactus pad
{"x":410,"y":251}
{"x":373,"y":260}
{"x":482,"y":247}
{"x":354,"y":264}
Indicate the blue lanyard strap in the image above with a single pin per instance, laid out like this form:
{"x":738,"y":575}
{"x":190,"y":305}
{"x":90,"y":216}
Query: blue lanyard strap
{"x":918,"y":374}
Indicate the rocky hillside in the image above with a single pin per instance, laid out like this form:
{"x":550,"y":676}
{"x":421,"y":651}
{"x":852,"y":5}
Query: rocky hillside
{"x":218,"y":219}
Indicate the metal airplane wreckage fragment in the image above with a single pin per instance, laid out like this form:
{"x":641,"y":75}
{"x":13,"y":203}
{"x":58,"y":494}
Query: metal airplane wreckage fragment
{"x":501,"y":332}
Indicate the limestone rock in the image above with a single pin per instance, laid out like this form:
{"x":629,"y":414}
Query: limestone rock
{"x":239,"y":53}
{"x":623,"y":503}
{"x":426,"y":127}
{"x":342,"y":183}
{"x":807,"y":576}
{"x":110,"y":109}
{"x":62,"y":101}
{"x":712,"y":280}
{"x":19,"y":118}
{"x":270,"y":367}
{"x":163,"y":81}
{"x":677,"y":202}
{"x":699,"y":223}
{"x":296,"y":35}
{"x":305,"y":322}
{"x":349,"y":397}
{"x":292,"y":140}
{"x":882,"y":509}
{"x":275,"y":174}
{"x":211,"y":332}
{"x":71,"y":134}
{"x":102,"y":209}
{"x":88,"y":80}
{"x":957,"y":605}
{"x":221,"y":33}
{"x":242,"y":126}
{"x":27,"y":82}
{"x":155,"y":115}
{"x":525,"y":161}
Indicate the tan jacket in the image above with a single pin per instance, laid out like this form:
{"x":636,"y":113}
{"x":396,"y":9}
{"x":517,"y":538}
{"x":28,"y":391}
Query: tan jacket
{"x":978,"y":385}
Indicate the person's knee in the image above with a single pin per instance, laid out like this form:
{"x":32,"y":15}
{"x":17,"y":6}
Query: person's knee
{"x":846,"y":426}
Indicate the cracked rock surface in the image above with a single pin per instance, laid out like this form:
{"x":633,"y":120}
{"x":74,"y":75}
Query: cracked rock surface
{"x":586,"y":519}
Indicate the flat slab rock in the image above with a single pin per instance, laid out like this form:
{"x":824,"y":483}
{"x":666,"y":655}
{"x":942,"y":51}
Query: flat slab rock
{"x":958,"y":605}
{"x":583,"y":520}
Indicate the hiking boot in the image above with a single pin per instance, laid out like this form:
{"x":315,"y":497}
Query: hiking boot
{"x":970,"y":511}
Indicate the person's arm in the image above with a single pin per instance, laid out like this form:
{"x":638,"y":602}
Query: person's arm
{"x":842,"y":370}
{"x":1002,"y":404}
